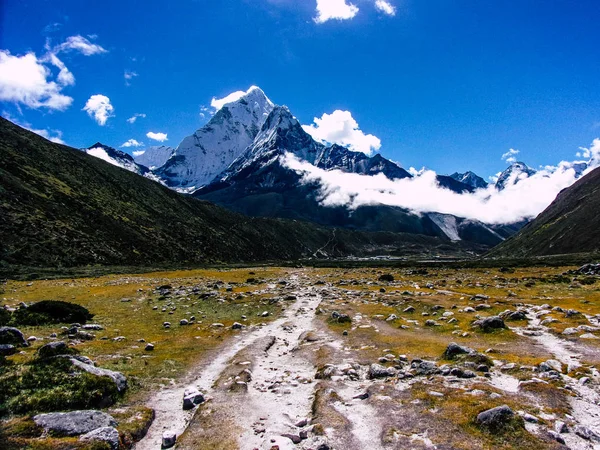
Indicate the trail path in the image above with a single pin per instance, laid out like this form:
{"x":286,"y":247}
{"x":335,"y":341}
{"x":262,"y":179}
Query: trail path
{"x":279,"y":395}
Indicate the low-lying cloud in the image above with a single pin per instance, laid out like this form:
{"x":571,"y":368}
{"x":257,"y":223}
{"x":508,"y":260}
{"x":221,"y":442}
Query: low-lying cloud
{"x":422,"y":194}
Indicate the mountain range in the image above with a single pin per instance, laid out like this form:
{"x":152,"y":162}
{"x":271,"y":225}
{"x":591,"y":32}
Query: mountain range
{"x":61,"y":207}
{"x":235,"y":160}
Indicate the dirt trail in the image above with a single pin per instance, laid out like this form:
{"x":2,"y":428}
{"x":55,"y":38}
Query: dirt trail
{"x":279,"y":395}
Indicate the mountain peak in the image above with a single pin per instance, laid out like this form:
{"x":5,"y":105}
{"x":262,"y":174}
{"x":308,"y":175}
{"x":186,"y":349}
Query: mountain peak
{"x":514,"y":173}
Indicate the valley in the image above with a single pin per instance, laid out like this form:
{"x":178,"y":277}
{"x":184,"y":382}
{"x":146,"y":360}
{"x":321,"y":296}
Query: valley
{"x":330,"y":358}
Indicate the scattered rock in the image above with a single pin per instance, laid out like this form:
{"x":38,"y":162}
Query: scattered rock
{"x":149,"y":347}
{"x":10,"y":335}
{"x":489,"y":324}
{"x":454,"y":350}
{"x":110,"y":435}
{"x":119,"y":379}
{"x":378,"y":371}
{"x":586,"y":433}
{"x":191,"y":398}
{"x":74,"y":423}
{"x":236,"y":326}
{"x":387,"y":277}
{"x":495,"y":418}
{"x":168,"y":439}
{"x":293,"y":437}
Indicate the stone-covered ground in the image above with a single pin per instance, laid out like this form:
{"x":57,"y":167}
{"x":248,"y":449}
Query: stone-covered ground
{"x":324,"y":358}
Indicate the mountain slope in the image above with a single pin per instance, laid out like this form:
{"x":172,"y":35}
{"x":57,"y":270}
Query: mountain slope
{"x":156,"y":156}
{"x":569,"y":225}
{"x":199,"y":158}
{"x":62,"y":207}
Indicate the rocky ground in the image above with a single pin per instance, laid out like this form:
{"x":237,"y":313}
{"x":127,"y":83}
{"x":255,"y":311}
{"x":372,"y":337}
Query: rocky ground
{"x":365,"y":359}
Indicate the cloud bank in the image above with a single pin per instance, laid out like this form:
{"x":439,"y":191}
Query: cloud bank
{"x":422,"y":194}
{"x":385,"y":7}
{"x":339,"y":127}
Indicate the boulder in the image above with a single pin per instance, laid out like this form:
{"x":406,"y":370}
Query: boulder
{"x":74,"y":423}
{"x":453,"y":350}
{"x":119,"y":379}
{"x":110,"y":435}
{"x":488,"y":324}
{"x":424,"y":367}
{"x":495,"y":418}
{"x":10,"y":335}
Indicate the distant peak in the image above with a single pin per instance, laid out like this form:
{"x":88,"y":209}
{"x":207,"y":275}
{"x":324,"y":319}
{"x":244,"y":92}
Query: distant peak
{"x":253,"y":94}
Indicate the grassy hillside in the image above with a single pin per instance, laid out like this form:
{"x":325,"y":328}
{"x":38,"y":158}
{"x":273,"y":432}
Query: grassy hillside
{"x":60,"y":207}
{"x":571,"y":224}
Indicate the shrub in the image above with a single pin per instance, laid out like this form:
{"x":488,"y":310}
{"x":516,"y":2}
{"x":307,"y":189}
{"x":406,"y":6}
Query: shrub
{"x":5,"y":316}
{"x":51,"y":311}
{"x":53,"y":385}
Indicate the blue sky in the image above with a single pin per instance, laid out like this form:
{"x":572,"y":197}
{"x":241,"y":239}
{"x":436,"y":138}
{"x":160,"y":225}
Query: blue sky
{"x":449,"y":85}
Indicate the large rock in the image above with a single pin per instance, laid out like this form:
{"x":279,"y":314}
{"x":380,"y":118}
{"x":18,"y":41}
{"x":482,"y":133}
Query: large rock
{"x":55,"y":348}
{"x":10,"y":335}
{"x":110,"y":435}
{"x":74,"y":423}
{"x":377,"y":371}
{"x":119,"y":379}
{"x":453,"y":350}
{"x":488,"y":324}
{"x":495,"y":418}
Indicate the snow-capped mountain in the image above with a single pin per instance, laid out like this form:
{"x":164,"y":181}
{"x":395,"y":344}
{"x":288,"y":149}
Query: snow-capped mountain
{"x":154,"y":157}
{"x":258,"y":183}
{"x":514,"y":173}
{"x":116,"y":158}
{"x":470,"y":178}
{"x":210,"y":150}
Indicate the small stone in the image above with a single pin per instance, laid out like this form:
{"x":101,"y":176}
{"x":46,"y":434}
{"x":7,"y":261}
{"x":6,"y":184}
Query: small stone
{"x":557,"y":437}
{"x":191,"y":398}
{"x":167,"y":324}
{"x":561,"y":427}
{"x":183,"y":322}
{"x":149,"y":347}
{"x":168,"y":439}
{"x":236,"y":326}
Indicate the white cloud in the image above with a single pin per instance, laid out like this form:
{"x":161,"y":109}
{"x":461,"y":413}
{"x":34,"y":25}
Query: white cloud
{"x":132,"y":143}
{"x":137,"y":153}
{"x":80,"y":44}
{"x":160,"y":137}
{"x":133,"y":118}
{"x":510,"y":156}
{"x":129,"y":75}
{"x":385,"y":7}
{"x":524,"y":200}
{"x":334,"y":9}
{"x":26,"y":80}
{"x":99,"y":108}
{"x":340,"y":128}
